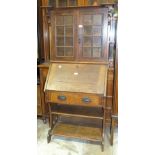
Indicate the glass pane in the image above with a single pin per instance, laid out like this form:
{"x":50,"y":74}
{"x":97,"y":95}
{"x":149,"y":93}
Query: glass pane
{"x":72,"y":2}
{"x":69,"y":41}
{"x":60,"y":41}
{"x":52,"y":3}
{"x":87,"y":19}
{"x":111,"y":1}
{"x":90,"y":2}
{"x":62,"y":3}
{"x":97,"y":19}
{"x":103,"y":1}
{"x":68,"y":51}
{"x":96,"y":52}
{"x":97,"y":31}
{"x":68,"y":20}
{"x":86,"y":52}
{"x":60,"y":31}
{"x":59,"y":20}
{"x":97,"y":41}
{"x":87,"y":41}
{"x":60,"y":51}
{"x":87,"y":30}
{"x":106,"y":1}
{"x":69,"y":31}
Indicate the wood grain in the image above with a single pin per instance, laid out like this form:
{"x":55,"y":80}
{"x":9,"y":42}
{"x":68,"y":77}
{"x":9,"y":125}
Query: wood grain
{"x":39,"y":105}
{"x":74,"y":131}
{"x":43,"y":74}
{"x":77,"y":78}
{"x":73,"y":98}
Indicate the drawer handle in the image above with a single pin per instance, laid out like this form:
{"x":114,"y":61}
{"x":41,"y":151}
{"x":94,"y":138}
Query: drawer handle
{"x":86,"y":100}
{"x":62,"y":98}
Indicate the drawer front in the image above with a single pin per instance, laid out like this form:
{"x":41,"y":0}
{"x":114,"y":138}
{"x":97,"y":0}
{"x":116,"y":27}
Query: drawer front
{"x":87,"y":100}
{"x":73,"y":98}
{"x":58,"y":97}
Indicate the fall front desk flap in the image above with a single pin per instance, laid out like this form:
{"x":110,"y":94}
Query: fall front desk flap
{"x":86,"y":78}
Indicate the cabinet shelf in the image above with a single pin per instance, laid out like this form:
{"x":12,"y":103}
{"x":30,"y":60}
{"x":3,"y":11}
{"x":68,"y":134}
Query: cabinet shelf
{"x":77,"y":111}
{"x":77,"y":131}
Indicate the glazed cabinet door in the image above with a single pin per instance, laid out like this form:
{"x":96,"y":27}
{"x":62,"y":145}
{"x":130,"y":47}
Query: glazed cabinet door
{"x":92,"y":34}
{"x":63,"y":38}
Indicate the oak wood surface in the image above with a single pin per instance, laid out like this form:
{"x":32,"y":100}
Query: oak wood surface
{"x":77,"y":111}
{"x":43,"y":74}
{"x":85,"y":78}
{"x":39,"y":105}
{"x":75,"y":131}
{"x":85,"y":61}
{"x":40,"y":30}
{"x":45,"y":66}
{"x":79,"y":62}
{"x":73,"y":98}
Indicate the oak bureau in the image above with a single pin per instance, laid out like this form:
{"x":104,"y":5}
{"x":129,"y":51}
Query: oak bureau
{"x":76,"y":90}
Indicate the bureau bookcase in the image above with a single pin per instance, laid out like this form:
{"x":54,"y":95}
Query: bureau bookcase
{"x":76,"y":35}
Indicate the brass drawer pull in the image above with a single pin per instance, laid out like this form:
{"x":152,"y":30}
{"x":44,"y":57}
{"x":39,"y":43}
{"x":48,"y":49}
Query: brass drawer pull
{"x":62,"y":98}
{"x":86,"y":100}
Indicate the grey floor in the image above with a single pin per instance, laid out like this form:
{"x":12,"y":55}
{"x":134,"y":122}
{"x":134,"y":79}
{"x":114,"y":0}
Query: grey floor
{"x":62,"y":146}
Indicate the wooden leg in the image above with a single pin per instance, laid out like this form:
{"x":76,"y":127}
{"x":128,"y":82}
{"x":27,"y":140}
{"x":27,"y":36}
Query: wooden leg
{"x":102,"y":146}
{"x":50,"y":121}
{"x":49,"y":136}
{"x":50,"y":115}
{"x":112,"y":132}
{"x":52,"y":124}
{"x":110,"y":125}
{"x":103,"y":131}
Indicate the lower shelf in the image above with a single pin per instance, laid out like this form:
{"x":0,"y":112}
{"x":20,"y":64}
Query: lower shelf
{"x":76,"y":131}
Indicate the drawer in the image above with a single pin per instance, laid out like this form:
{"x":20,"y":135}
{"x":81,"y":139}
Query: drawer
{"x":74,"y":98}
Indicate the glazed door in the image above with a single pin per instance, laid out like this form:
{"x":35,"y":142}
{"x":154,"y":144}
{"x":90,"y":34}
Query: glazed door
{"x":92,"y":34}
{"x":64,"y":35}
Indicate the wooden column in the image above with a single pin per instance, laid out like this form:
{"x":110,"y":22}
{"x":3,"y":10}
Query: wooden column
{"x":45,"y":30}
{"x":40,"y":31}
